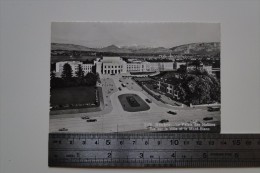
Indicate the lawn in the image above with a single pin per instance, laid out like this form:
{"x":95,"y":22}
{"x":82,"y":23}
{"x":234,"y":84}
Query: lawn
{"x":133,"y":103}
{"x":73,"y":97}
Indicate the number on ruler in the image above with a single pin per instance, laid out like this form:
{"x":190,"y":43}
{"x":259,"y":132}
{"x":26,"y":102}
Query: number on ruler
{"x":108,"y":142}
{"x":109,"y":155}
{"x":141,"y":155}
{"x":174,"y":142}
{"x":236,"y":142}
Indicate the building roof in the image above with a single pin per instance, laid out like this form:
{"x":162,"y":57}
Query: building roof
{"x":112,"y":59}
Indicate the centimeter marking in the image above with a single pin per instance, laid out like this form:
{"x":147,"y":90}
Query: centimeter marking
{"x":154,"y":150}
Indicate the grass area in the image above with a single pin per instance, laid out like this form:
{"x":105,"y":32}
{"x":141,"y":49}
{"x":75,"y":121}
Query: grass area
{"x":72,"y":97}
{"x":133,"y":103}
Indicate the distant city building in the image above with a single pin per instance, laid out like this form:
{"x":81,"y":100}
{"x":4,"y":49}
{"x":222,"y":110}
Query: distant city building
{"x":194,"y":65}
{"x":200,"y":67}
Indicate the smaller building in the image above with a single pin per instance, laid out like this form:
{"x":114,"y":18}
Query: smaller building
{"x":170,"y":88}
{"x":74,"y":66}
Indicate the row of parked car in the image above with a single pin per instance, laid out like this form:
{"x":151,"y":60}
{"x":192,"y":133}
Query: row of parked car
{"x":83,"y":118}
{"x":88,"y":119}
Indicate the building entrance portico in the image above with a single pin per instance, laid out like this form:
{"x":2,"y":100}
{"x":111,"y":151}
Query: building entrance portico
{"x":112,"y":65}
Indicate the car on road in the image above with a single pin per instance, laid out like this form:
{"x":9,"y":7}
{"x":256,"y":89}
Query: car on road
{"x":164,"y":121}
{"x":63,"y":129}
{"x":208,"y":118}
{"x":148,"y":100}
{"x":171,"y":112}
{"x":123,"y":85}
{"x":213,"y":109}
{"x":119,"y":88}
{"x":85,"y":117}
{"x":91,"y":120}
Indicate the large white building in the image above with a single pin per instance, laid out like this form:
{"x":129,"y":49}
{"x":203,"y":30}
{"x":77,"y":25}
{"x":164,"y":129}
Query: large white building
{"x":115,"y":65}
{"x":161,"y":66}
{"x":110,"y":65}
{"x":134,"y":65}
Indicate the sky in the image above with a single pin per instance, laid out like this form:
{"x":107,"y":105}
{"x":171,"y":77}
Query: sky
{"x":146,"y":34}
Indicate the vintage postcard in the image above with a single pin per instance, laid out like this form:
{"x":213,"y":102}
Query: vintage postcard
{"x":114,"y":77}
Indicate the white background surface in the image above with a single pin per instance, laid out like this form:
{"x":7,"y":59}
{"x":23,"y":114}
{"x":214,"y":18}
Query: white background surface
{"x":25,"y":63}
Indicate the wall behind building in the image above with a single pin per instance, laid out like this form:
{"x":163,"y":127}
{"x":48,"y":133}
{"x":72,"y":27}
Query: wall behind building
{"x":24,"y":68}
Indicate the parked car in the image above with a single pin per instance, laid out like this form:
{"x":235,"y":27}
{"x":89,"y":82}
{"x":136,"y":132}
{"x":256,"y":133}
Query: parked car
{"x":164,"y":121}
{"x":85,"y":117}
{"x":148,"y":100}
{"x":208,"y":118}
{"x":213,"y":109}
{"x":63,"y":129}
{"x":171,"y":112}
{"x":91,"y":120}
{"x":123,"y":85}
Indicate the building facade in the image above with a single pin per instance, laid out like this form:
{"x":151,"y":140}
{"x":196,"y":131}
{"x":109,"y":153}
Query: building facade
{"x":110,"y":65}
{"x":116,"y":65}
{"x":138,"y":66}
{"x":170,"y":90}
{"x":87,"y":68}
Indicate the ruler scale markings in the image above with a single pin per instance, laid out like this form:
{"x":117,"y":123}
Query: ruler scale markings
{"x":185,"y":150}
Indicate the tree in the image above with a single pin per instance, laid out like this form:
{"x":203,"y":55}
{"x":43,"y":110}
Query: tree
{"x":80,"y":72}
{"x":94,"y":69}
{"x":52,"y":75}
{"x":182,"y":71}
{"x":90,"y":79}
{"x":67,"y":72}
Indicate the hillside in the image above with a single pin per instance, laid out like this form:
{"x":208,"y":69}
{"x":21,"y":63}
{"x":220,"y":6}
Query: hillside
{"x":110,"y":49}
{"x":198,"y":48}
{"x":69,"y":47}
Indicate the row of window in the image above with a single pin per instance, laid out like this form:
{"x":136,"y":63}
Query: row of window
{"x":112,"y":71}
{"x":108,"y":66}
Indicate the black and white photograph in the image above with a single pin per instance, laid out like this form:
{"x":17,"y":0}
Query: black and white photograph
{"x":120,"y":77}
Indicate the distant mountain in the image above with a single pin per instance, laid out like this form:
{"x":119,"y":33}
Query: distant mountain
{"x":111,"y":49}
{"x":192,"y":48}
{"x":160,"y":50}
{"x":70,"y":47}
{"x":212,"y":48}
{"x":114,"y":49}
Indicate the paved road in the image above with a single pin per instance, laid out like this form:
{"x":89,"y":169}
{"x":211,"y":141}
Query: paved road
{"x":114,"y":119}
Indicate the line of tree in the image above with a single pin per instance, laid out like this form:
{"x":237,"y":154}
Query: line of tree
{"x":68,"y":80}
